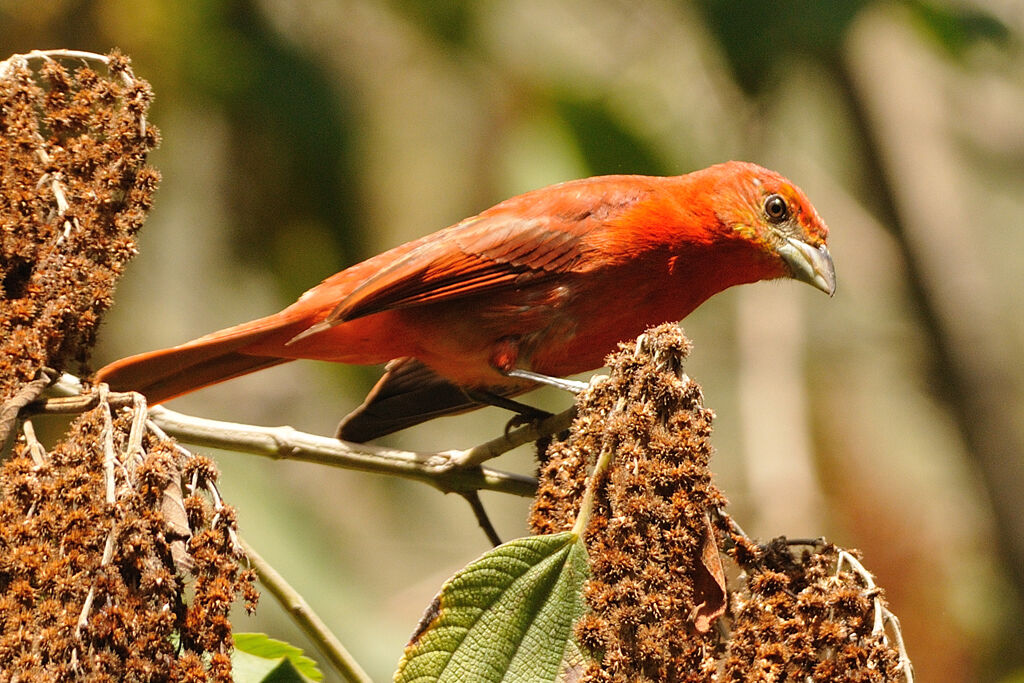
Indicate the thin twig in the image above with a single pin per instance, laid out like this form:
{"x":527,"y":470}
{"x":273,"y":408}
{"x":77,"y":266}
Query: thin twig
{"x":108,"y":555}
{"x":211,"y":486}
{"x":437,"y":469}
{"x":109,"y":457}
{"x":473,"y":498}
{"x":525,"y":434}
{"x":897,"y":635}
{"x":57,"y":188}
{"x":306,"y":618}
{"x":52,"y":55}
{"x":443,"y":470}
{"x":73,"y":405}
{"x":878,"y":629}
{"x":883,"y":616}
{"x":608,"y":448}
{"x":133,"y":450}
{"x":35,"y":449}
{"x":596,"y":477}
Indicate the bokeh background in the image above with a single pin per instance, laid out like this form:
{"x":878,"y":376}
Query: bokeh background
{"x":303,"y":136}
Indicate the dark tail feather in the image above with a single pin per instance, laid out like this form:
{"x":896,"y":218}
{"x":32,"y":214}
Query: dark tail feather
{"x":409,"y":393}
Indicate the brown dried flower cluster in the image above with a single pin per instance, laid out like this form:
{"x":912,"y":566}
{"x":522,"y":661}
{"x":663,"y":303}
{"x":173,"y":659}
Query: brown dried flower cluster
{"x":657,"y":595}
{"x":118,"y":559}
{"x":652,"y":592}
{"x":100,"y":539}
{"x":74,"y":190}
{"x":808,"y":614}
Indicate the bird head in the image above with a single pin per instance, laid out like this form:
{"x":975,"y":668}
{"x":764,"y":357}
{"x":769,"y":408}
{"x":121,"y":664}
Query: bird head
{"x":765,"y":209}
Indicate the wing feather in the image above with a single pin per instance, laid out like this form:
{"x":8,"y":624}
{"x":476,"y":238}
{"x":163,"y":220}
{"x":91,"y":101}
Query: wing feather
{"x":471,"y":262}
{"x":523,"y":241}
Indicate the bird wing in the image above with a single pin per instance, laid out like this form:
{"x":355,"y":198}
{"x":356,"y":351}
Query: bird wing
{"x":475,"y":257}
{"x":520,"y":242}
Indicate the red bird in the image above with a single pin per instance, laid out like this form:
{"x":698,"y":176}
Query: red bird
{"x":546,"y":282}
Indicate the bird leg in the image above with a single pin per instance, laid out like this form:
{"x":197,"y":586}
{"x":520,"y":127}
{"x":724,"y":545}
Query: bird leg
{"x":524,"y":414}
{"x":570,"y":385}
{"x":506,"y":353}
{"x":524,"y":411}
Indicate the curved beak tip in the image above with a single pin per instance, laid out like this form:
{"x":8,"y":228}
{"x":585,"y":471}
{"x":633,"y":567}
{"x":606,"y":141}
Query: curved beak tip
{"x":812,"y":265}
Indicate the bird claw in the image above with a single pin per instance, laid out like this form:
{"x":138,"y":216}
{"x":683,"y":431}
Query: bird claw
{"x":533,"y":418}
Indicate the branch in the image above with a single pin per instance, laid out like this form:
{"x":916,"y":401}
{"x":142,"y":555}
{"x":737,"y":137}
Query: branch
{"x":448,"y":471}
{"x":440,"y":469}
{"x":473,"y":498}
{"x":514,"y":439}
{"x":311,"y":624}
{"x":10,"y":409}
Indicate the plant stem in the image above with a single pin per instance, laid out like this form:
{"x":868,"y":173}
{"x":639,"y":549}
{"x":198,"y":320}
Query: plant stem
{"x":447,"y":471}
{"x":306,"y":618}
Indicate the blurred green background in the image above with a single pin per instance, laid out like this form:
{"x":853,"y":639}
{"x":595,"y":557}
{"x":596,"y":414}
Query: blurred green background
{"x":303,"y":136}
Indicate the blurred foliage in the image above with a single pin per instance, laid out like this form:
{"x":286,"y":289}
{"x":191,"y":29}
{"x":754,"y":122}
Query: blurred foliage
{"x":300,"y":137}
{"x":449,"y":22}
{"x":606,"y":143}
{"x":956,"y":29}
{"x":762,"y":39}
{"x":295,"y":137}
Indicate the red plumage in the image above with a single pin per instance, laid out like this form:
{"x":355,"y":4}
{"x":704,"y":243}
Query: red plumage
{"x":547,"y":281}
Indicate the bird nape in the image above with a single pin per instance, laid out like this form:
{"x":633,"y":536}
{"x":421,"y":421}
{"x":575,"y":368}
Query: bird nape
{"x":546,"y":282}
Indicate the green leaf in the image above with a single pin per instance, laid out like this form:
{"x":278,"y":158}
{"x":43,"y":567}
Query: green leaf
{"x":508,"y":616}
{"x":247,"y":668}
{"x":259,"y":657}
{"x":607,"y":143}
{"x":957,"y":29}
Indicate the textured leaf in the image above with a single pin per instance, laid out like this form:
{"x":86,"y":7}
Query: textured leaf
{"x":508,"y":616}
{"x":261,"y":658}
{"x":247,"y":668}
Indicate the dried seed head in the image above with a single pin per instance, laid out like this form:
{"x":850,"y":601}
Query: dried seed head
{"x":92,"y":534}
{"x":657,"y":585}
{"x":649,"y":526}
{"x":74,"y":190}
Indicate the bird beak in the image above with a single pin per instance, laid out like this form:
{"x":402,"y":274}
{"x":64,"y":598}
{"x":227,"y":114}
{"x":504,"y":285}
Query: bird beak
{"x":809,"y":264}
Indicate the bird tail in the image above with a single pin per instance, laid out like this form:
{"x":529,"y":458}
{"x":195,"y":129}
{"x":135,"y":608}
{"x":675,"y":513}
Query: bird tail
{"x":167,"y":373}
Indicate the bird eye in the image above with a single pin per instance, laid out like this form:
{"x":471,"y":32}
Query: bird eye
{"x":776,"y":209}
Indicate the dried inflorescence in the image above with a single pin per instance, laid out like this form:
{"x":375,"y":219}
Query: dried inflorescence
{"x":74,"y":190}
{"x":103,"y":538}
{"x":808,"y":613}
{"x":654,"y":588}
{"x":657,"y":596}
{"x":99,"y":540}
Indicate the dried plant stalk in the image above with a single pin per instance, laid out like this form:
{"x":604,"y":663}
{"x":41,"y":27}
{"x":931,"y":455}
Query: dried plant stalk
{"x":660,"y":608}
{"x":97,"y":539}
{"x":74,"y":190}
{"x":99,"y":536}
